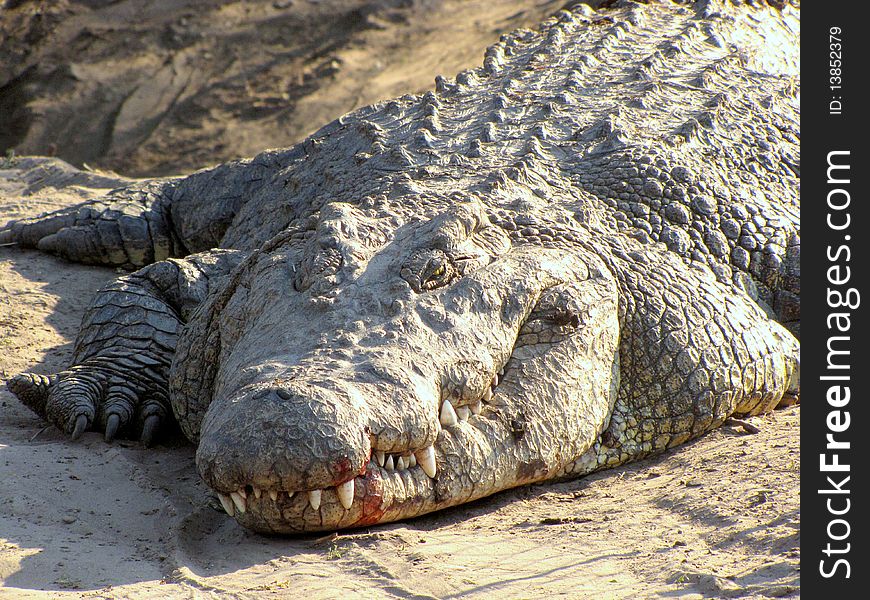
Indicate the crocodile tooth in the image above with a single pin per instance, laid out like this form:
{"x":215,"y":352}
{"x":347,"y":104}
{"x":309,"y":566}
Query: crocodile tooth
{"x":345,"y":493}
{"x":448,"y":416}
{"x":241,"y":492}
{"x":257,"y":492}
{"x":379,"y":456}
{"x":314,"y":498}
{"x":426,"y":460}
{"x":240,"y":502}
{"x":463,"y":413}
{"x":487,"y":395}
{"x":388,"y":464}
{"x":227,"y":504}
{"x":412,"y":461}
{"x":495,"y":381}
{"x":273,"y":494}
{"x":400,"y":463}
{"x":476,"y":408}
{"x":290,"y":494}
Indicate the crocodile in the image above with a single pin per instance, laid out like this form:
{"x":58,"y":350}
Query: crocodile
{"x":583,"y":252}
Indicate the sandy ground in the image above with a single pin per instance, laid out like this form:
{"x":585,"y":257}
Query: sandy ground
{"x":718,"y":518}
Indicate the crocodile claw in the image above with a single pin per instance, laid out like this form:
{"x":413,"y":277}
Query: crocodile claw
{"x":112,"y":424}
{"x":148,"y":429}
{"x":80,"y":427}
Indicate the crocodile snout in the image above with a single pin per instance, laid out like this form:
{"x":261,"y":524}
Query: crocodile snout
{"x":308,"y":438}
{"x":321,"y":447}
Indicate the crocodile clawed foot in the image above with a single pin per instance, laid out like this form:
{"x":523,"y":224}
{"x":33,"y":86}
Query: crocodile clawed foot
{"x":92,"y":397}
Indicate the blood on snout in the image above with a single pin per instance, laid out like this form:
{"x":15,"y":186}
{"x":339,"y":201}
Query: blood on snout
{"x":372,"y":501}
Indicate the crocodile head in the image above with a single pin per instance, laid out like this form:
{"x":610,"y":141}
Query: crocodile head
{"x":368,"y":369}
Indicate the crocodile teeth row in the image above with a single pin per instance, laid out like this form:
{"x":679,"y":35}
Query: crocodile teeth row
{"x":450,"y":415}
{"x":237,"y":501}
{"x":344,"y":492}
{"x":425,"y":458}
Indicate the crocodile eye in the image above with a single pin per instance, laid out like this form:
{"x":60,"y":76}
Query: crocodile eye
{"x":436,"y":273}
{"x":429,"y":269}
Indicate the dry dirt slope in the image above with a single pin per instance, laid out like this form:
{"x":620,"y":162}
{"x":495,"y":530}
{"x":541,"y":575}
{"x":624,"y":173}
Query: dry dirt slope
{"x":157,"y":87}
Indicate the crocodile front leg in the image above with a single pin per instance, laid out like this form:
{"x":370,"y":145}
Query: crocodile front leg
{"x":142,"y":221}
{"x":129,"y":227}
{"x":118,"y":379}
